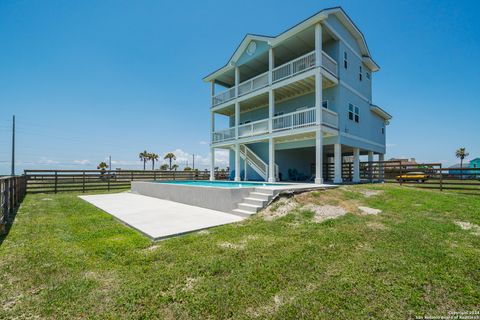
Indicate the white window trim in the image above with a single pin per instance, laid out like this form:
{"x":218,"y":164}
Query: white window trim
{"x":354,"y":107}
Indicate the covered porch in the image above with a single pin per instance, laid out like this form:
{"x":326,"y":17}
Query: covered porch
{"x":305,"y":158}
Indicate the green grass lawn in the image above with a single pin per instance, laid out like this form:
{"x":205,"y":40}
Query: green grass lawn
{"x":64,"y":258}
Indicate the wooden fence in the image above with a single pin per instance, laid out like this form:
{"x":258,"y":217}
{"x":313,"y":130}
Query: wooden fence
{"x":465,"y":180}
{"x":90,"y":180}
{"x":12,"y":191}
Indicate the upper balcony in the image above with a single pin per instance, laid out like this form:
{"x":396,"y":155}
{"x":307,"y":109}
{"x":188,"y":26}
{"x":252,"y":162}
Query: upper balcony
{"x":287,"y":70}
{"x":290,"y":121}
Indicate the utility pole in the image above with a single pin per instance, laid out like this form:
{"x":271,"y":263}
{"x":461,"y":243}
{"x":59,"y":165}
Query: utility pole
{"x":110,"y":162}
{"x":193,"y":162}
{"x":13,"y":146}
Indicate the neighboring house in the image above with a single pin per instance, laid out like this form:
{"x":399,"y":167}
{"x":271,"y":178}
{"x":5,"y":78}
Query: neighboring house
{"x":474,"y":164}
{"x":295,"y":101}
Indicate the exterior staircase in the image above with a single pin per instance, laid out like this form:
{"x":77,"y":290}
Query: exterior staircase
{"x":255,"y":162}
{"x":254,"y":202}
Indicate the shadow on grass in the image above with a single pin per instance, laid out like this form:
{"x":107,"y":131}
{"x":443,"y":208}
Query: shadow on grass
{"x":8,"y":225}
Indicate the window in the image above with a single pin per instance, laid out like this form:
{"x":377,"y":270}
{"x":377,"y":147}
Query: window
{"x":383,"y":130}
{"x":345,"y":61}
{"x":360,"y":74}
{"x":353,"y":113}
{"x":368,"y":75}
{"x":325,"y":104}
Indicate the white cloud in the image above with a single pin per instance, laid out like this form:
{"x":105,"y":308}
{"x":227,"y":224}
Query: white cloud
{"x":82,"y":162}
{"x":389,"y":145}
{"x":46,"y":161}
{"x":201,"y":161}
{"x":203,"y":142}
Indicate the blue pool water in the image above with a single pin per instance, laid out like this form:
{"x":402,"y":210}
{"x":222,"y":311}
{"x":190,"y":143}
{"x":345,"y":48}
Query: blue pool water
{"x":219,"y":184}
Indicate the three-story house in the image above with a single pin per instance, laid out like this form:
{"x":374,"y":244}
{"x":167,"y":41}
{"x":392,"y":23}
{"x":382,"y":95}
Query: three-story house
{"x":298,"y":101}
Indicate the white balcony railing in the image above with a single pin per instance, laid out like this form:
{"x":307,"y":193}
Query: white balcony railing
{"x":253,"y":84}
{"x":329,"y":118}
{"x":289,"y":69}
{"x":293,"y":120}
{"x":329,"y":64}
{"x":304,"y":63}
{"x":224,"y":96}
{"x":253,"y":128}
{"x":294,"y":67}
{"x":304,"y":118}
{"x":223,"y":135}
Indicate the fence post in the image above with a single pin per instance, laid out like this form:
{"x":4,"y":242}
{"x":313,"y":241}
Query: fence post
{"x":154,"y":175}
{"x":83,"y":182}
{"x":131,"y":177}
{"x":441,"y":178}
{"x":108,"y":180}
{"x":400,"y":173}
{"x":12,"y":203}
{"x":56,"y":181}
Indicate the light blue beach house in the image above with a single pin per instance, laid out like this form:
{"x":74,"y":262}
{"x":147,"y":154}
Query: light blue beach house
{"x":297,"y":102}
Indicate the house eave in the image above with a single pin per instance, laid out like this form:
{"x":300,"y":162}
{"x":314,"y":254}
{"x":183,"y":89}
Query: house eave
{"x":380,"y":112}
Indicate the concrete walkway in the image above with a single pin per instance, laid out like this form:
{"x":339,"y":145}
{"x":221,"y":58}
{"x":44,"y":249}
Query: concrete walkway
{"x":158,"y":218}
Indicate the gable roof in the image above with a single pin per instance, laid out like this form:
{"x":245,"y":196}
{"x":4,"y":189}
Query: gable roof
{"x":312,"y":20}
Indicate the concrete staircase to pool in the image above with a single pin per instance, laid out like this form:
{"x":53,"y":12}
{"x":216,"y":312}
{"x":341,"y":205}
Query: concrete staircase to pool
{"x":254,"y":202}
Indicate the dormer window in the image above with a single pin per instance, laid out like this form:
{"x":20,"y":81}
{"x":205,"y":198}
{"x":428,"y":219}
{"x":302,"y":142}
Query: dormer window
{"x":360,"y":72}
{"x":345,"y":60}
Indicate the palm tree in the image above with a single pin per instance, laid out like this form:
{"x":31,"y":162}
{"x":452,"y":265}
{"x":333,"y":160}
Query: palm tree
{"x":187,"y":169}
{"x":170,"y":156}
{"x":462,"y":154}
{"x":144,"y":156}
{"x":164,"y":167}
{"x":153,"y":157}
{"x":174,"y":167}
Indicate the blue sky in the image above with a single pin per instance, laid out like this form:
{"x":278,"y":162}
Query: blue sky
{"x":88,"y":79}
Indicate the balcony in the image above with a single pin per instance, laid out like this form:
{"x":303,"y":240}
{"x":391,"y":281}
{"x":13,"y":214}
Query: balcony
{"x":304,"y":118}
{"x":286,"y":70}
{"x":253,"y":84}
{"x":253,"y":128}
{"x":223,"y":135}
{"x":293,"y":120}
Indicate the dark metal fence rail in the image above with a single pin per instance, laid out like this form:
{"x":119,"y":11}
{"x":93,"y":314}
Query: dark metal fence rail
{"x":12,"y":191}
{"x":464,"y":179}
{"x":90,"y":180}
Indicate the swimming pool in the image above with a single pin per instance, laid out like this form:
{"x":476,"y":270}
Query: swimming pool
{"x":219,"y":184}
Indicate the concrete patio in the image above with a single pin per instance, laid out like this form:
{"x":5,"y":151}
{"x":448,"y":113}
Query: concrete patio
{"x":158,"y":218}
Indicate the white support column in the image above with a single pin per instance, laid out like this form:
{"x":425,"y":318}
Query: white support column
{"x":370,"y":165}
{"x":237,"y":162}
{"x":318,"y":74}
{"x":271,"y":65}
{"x":381,"y":166}
{"x":212,"y":164}
{"x":237,"y":80}
{"x":212,"y":90}
{"x":319,"y":156}
{"x":318,"y":107}
{"x":237,"y":118}
{"x":337,"y":163}
{"x":271,"y":108}
{"x":271,"y":160}
{"x":356,"y":165}
{"x":212,"y":124}
{"x":318,"y":45}
{"x":245,"y":169}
